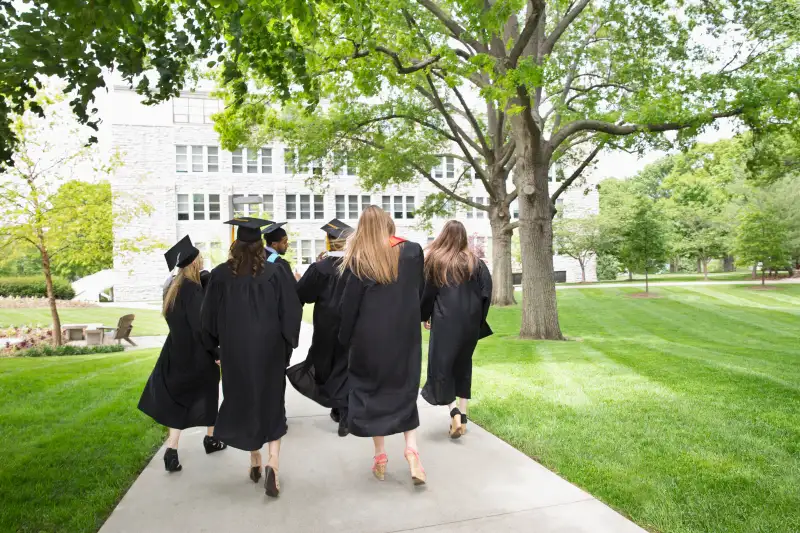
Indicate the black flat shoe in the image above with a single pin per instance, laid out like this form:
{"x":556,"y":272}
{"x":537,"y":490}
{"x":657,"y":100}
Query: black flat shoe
{"x":455,"y":423}
{"x":171,"y":462}
{"x":343,"y":431}
{"x":255,"y":473}
{"x":213,"y":444}
{"x":271,"y":484}
{"x":336,"y":415}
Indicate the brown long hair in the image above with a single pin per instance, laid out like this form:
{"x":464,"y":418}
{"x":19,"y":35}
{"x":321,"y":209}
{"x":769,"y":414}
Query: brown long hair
{"x":368,"y":253}
{"x":246,"y":256}
{"x":190,"y":272}
{"x":448,"y":259}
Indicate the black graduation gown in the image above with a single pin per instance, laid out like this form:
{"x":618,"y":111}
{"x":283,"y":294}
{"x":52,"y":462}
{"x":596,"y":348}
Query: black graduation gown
{"x":287,"y":267}
{"x":183,"y":389}
{"x":380,"y":325}
{"x":322,"y":377}
{"x":253,"y":320}
{"x":458,"y":319}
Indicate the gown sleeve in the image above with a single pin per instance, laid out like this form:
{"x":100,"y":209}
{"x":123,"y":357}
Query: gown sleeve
{"x":428,"y":298}
{"x":485,"y":284}
{"x":290,"y":310}
{"x":193,"y":302}
{"x":209,"y":312}
{"x":311,"y":285}
{"x":348,"y":307}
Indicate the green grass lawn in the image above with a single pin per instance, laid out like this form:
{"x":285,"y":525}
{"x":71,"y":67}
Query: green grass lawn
{"x":682,"y":412}
{"x":739,"y":275}
{"x":147,"y":322}
{"x":72,"y":439}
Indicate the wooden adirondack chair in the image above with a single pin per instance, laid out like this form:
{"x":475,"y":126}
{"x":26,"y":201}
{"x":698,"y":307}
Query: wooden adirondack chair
{"x":123,"y":330}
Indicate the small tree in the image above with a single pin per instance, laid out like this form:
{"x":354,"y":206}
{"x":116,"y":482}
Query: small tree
{"x":762,"y":237}
{"x":40,"y":202}
{"x":644,"y":237}
{"x":579,"y":238}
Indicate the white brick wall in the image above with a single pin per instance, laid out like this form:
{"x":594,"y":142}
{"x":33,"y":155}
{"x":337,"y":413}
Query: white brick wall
{"x":146,"y":137}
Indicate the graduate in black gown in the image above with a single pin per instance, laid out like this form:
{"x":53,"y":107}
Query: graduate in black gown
{"x":380,"y":325}
{"x":322,"y":377}
{"x":277,"y":244}
{"x":183,"y":389}
{"x":251,"y":311}
{"x":458,"y":292}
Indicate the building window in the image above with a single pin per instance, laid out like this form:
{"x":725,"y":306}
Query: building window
{"x":291,"y":165}
{"x":468,"y":172}
{"x":410,"y":208}
{"x":386,"y":203}
{"x":194,"y":110}
{"x":340,"y":212}
{"x":268,"y":205}
{"x":197,"y":159}
{"x":236,"y":158}
{"x":312,"y":206}
{"x":398,"y":207}
{"x":450,"y":166}
{"x":252,"y":161}
{"x":474,"y":212}
{"x":210,"y":107}
{"x":183,"y":207}
{"x":437,"y":172}
{"x":365,"y":201}
{"x":266,"y":160}
{"x":306,"y":253}
{"x":213,"y":207}
{"x":199,"y":206}
{"x":212,"y":158}
{"x":181,"y":161}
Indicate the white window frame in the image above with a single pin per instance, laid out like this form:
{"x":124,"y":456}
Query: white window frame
{"x":184,"y":208}
{"x":198,"y":159}
{"x":265,"y":160}
{"x":199,"y":215}
{"x":214,"y":214}
{"x":181,"y":159}
{"x":316,"y":206}
{"x":212,"y":166}
{"x":239,"y":155}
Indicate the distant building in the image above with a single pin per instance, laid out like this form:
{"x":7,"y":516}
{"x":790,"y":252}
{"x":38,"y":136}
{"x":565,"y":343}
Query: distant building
{"x":172,"y":158}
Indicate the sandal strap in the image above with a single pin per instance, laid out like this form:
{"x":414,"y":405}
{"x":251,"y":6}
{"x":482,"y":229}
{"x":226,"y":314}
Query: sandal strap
{"x":463,"y":418}
{"x":381,"y":459}
{"x":455,"y":412}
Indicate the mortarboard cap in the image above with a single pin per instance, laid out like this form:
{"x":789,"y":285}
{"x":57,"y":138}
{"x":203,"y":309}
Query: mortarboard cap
{"x":274,"y":232}
{"x":182,"y":254}
{"x":248,"y":228}
{"x":337,"y":229}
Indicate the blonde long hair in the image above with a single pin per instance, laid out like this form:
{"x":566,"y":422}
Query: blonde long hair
{"x":368,"y":253}
{"x":448,"y":259}
{"x":190,"y":272}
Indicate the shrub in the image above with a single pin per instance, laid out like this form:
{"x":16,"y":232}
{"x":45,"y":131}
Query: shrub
{"x":607,"y":268}
{"x":49,"y":351}
{"x":34,"y":287}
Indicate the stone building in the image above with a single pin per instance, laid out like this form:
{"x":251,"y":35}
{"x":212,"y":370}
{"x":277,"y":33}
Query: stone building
{"x":172,"y":159}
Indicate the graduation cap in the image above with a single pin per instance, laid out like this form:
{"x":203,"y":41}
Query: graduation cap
{"x":337,"y":229}
{"x":249,"y":228}
{"x":274,"y":232}
{"x":182,"y":254}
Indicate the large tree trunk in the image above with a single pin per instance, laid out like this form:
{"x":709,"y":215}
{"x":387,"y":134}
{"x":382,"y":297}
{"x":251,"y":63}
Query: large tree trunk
{"x":51,"y":296}
{"x":704,"y":261}
{"x":583,"y":270}
{"x":539,"y":307}
{"x":728,"y":264}
{"x":502,"y":280}
{"x":755,"y":270}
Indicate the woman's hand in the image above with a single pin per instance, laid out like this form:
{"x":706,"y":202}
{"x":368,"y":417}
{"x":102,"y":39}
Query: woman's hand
{"x":217,"y":361}
{"x":427,"y":325}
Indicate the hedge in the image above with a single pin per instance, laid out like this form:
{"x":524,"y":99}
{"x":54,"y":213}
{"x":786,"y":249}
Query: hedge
{"x":34,"y":287}
{"x":48,"y":351}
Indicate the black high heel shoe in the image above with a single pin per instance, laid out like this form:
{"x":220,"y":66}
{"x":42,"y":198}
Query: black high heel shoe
{"x":463,"y":429}
{"x":255,"y":473}
{"x":213,"y":444}
{"x":271,"y":484}
{"x":171,"y":462}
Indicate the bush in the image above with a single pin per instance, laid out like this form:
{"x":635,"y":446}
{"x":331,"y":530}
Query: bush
{"x":49,"y":351}
{"x":34,"y":287}
{"x":607,"y":268}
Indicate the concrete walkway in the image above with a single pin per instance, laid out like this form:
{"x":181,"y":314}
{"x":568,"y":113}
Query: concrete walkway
{"x":655,"y":284}
{"x":475,"y":484}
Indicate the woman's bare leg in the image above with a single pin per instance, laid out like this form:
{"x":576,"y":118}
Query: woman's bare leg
{"x":172,"y":439}
{"x":380,"y":445}
{"x":274,"y":448}
{"x":210,"y":431}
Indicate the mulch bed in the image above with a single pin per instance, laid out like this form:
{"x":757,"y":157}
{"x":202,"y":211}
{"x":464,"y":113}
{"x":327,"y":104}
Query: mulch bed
{"x":764,"y":288}
{"x":30,"y":303}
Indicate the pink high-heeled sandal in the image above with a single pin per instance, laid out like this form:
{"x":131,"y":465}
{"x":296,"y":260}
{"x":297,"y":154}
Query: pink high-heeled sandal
{"x":415,"y":464}
{"x":379,"y":466}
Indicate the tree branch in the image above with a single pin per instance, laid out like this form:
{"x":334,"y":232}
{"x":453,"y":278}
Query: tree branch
{"x":561,"y":27}
{"x":511,"y":226}
{"x":586,"y":162}
{"x":472,"y":120}
{"x":531,"y":25}
{"x":620,"y":129}
{"x":419,"y":65}
{"x":455,"y":28}
{"x":412,"y":118}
